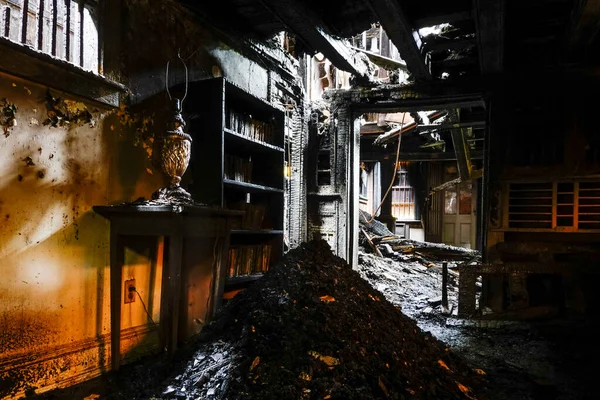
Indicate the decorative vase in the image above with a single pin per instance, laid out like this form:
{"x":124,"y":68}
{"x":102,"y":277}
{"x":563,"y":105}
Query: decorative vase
{"x":175,"y":148}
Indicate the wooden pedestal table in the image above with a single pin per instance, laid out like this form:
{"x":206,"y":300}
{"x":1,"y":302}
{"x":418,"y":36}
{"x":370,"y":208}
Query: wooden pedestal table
{"x":177,"y":224}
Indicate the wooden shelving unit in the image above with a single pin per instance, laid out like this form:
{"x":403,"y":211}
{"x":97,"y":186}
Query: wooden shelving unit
{"x":238,"y":163}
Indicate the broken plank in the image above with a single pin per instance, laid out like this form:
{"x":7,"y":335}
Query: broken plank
{"x":373,"y":247}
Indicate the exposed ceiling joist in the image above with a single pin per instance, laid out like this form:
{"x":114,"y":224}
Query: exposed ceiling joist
{"x":305,"y":24}
{"x":419,"y":105}
{"x":417,"y":156}
{"x":442,"y":19}
{"x":407,"y":40}
{"x":461,"y":147}
{"x":489,"y":20}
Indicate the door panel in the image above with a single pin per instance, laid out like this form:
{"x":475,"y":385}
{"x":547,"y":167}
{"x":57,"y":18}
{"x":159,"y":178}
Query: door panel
{"x":465,"y":235}
{"x":449,"y":229}
{"x":459,"y":212}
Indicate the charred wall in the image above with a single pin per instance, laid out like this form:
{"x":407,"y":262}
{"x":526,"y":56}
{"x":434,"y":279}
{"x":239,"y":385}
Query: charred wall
{"x":331,"y":156}
{"x":543,"y":155}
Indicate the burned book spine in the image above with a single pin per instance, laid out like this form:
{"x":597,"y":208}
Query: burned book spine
{"x":246,"y":125}
{"x":238,"y":168}
{"x":249,"y":260}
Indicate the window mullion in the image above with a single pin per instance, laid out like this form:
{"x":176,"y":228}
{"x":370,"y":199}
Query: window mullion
{"x":68,"y":30}
{"x":6,"y":16}
{"x":81,"y":31}
{"x":24,"y":19}
{"x":54,"y":25}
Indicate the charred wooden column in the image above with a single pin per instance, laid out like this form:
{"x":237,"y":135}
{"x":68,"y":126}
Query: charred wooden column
{"x":445,"y":285}
{"x":387,"y":176}
{"x":467,"y":290}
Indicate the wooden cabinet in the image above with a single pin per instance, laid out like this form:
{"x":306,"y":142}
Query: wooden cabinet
{"x":238,"y":163}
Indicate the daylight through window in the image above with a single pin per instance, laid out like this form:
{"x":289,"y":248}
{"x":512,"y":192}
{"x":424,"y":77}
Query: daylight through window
{"x":65,"y":29}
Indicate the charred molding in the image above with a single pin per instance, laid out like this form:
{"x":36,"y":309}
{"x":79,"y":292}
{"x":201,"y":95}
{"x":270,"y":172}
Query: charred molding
{"x":63,"y":112}
{"x":8,"y":118}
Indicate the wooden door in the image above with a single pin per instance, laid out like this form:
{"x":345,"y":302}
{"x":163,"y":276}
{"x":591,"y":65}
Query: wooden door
{"x":460,"y":215}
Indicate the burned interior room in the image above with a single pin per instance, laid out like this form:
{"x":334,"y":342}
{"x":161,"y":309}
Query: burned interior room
{"x":276,"y":199}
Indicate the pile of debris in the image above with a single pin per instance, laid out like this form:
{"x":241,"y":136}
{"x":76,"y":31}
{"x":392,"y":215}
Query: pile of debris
{"x":378,"y":239}
{"x":416,"y":288}
{"x":411,"y":273}
{"x":312,"y":328}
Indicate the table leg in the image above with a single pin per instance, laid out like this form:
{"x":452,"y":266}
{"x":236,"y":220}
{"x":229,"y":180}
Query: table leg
{"x":171,"y":293}
{"x":116,"y":275}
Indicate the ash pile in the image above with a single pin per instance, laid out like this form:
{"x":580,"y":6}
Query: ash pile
{"x":312,"y":328}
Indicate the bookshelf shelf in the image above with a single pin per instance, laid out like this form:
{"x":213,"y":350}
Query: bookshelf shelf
{"x":237,"y":139}
{"x":238,"y":163}
{"x":250,"y":187}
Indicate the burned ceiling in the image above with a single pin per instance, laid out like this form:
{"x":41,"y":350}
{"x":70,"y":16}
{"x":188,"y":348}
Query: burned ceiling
{"x":481,"y":43}
{"x":481,"y":37}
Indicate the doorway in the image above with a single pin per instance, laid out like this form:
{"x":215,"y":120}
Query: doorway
{"x":460,"y":212}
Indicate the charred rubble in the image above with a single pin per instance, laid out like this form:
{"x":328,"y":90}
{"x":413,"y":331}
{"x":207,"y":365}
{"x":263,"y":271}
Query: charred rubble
{"x":521,"y":359}
{"x":312,"y":328}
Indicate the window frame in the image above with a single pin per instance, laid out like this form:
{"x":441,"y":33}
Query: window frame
{"x":407,"y":187}
{"x":23,"y":61}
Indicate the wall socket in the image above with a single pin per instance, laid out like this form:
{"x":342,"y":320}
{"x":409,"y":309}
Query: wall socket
{"x":129,"y":295}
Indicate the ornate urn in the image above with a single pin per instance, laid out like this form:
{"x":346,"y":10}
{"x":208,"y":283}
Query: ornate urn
{"x":174,"y":148}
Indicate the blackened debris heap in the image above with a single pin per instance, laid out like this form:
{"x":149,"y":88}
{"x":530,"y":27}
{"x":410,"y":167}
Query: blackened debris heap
{"x":312,"y":328}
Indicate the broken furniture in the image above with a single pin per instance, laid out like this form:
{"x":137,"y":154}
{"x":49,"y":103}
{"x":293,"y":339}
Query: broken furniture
{"x":238,"y":163}
{"x":196,"y":243}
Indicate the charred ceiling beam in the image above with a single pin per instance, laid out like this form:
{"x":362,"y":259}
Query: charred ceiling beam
{"x":461,"y":147}
{"x":406,"y":39}
{"x":382,"y":61}
{"x":475,"y":175}
{"x":416,"y":156}
{"x":489,"y":20}
{"x":442,"y":19}
{"x":424,"y":96}
{"x":585,"y":24}
{"x":419,"y":105}
{"x":304,"y":23}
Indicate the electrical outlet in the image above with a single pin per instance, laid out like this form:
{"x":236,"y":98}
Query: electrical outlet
{"x":129,"y":291}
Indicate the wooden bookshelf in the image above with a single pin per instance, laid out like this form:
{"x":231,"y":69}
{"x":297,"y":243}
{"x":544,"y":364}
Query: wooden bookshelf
{"x":238,"y":163}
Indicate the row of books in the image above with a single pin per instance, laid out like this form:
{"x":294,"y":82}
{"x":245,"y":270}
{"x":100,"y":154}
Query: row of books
{"x":256,"y":129}
{"x":238,"y":168}
{"x":248,"y":260}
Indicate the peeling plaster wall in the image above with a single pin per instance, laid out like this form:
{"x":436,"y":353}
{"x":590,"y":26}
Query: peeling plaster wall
{"x":54,"y":250}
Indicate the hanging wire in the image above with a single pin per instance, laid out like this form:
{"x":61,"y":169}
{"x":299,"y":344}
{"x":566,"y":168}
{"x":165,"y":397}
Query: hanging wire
{"x":186,"y":77}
